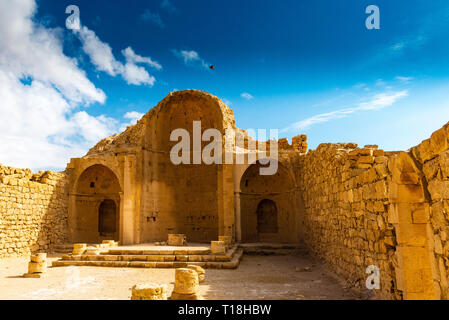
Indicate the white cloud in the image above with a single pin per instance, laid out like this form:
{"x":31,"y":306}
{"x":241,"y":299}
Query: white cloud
{"x":404,"y":79}
{"x":133,"y":117}
{"x":41,"y":91}
{"x":226,"y":102}
{"x":135,"y":58}
{"x":153,"y":17}
{"x":100,"y":53}
{"x":247,"y":96}
{"x":377,"y":102}
{"x":101,"y":56}
{"x":93,"y":129}
{"x":191,"y":58}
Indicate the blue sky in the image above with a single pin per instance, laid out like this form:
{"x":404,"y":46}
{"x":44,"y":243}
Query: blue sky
{"x":298,"y":66}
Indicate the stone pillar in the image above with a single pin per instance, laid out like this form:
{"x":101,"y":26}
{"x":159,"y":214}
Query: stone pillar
{"x":226,"y":215}
{"x":127,"y":202}
{"x":186,"y":285}
{"x":200,"y":271}
{"x":238,"y":218}
{"x":37,"y":266}
{"x":409,"y":213}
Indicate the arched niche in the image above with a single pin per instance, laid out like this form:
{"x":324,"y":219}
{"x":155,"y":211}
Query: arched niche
{"x":97,"y":201}
{"x":183,"y":198}
{"x":268,"y":206}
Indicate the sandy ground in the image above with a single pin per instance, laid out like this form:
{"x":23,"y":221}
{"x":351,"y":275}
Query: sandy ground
{"x":258,"y":277}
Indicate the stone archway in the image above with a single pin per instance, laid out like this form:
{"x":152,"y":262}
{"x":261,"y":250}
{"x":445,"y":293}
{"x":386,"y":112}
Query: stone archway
{"x":195,"y":199}
{"x":96,"y":212}
{"x":268,"y":206}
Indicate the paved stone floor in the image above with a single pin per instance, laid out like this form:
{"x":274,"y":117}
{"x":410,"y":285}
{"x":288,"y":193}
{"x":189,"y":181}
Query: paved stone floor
{"x":258,"y":277}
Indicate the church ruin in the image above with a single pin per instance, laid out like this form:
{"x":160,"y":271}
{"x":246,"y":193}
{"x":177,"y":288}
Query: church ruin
{"x":353,"y":207}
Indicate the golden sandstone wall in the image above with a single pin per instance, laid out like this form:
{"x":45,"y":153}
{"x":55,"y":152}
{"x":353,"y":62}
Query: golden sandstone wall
{"x":33,"y":211}
{"x":353,"y":207}
{"x":367,"y":207}
{"x":432,"y":156}
{"x":345,"y":193}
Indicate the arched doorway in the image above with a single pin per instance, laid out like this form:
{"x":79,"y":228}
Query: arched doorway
{"x":267,"y":217}
{"x":107,"y":218}
{"x":96,"y":212}
{"x":268,"y":206}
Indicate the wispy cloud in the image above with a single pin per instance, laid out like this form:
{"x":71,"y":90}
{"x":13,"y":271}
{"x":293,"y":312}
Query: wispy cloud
{"x":132,"y":117}
{"x":404,"y":79}
{"x":191,"y":57}
{"x":152,"y":17}
{"x":168,"y":6}
{"x":101,"y":56}
{"x":377,"y":102}
{"x":247,"y":96}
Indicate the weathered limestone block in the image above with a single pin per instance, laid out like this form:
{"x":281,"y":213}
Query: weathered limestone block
{"x":79,"y":248}
{"x":200,"y":271}
{"x":226,"y":239}
{"x":218,"y":247}
{"x":177,"y":240}
{"x":92,"y":251}
{"x":149,"y":291}
{"x":37,"y":267}
{"x":39,"y":257}
{"x":110,"y":243}
{"x":186,"y":285}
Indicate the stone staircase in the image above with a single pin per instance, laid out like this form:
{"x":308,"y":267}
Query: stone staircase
{"x":155,"y":257}
{"x":61,"y":248}
{"x":279,"y":249}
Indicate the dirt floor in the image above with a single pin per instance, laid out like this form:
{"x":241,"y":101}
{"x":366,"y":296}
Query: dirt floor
{"x":258,"y":277}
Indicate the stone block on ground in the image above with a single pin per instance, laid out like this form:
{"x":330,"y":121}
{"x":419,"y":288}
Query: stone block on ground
{"x":37,"y":267}
{"x":226,"y":239}
{"x":200,"y":271}
{"x":79,"y":248}
{"x":149,"y":291}
{"x":217,"y":247}
{"x":92,"y":251}
{"x":38,"y":257}
{"x":186,"y":285}
{"x":177,"y":239}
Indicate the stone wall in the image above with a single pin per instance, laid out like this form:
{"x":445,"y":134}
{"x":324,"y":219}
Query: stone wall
{"x":346,"y":199}
{"x":33,"y":211}
{"x":432,"y":156}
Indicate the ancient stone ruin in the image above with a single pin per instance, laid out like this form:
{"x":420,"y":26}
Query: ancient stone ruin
{"x":353,"y":207}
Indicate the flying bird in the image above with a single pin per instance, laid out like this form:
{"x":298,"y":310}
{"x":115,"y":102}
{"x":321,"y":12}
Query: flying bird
{"x":212,"y":67}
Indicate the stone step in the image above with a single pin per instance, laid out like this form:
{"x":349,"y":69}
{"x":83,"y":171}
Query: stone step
{"x":273,"y":248}
{"x":212,"y":264}
{"x":152,"y":258}
{"x":62,"y":248}
{"x":133,"y":252}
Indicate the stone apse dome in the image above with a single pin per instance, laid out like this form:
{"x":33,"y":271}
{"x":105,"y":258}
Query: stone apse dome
{"x":126,"y":188}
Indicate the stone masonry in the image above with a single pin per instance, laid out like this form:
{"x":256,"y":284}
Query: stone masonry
{"x":352,"y":207}
{"x":33,"y":211}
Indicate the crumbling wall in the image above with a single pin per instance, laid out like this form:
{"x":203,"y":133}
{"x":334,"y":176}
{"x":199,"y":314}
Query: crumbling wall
{"x":346,"y":197}
{"x":33,"y":211}
{"x":432,"y":156}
